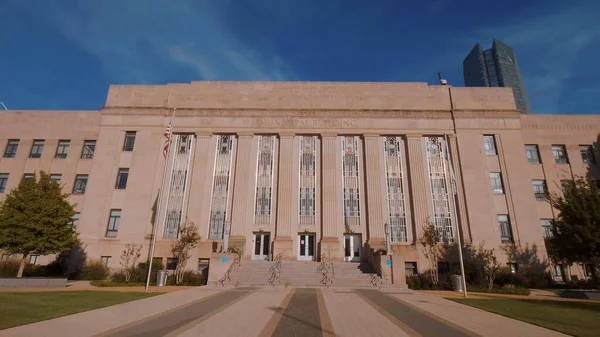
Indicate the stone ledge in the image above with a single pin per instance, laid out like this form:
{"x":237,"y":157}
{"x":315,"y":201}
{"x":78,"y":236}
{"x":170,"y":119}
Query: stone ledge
{"x":32,"y":282}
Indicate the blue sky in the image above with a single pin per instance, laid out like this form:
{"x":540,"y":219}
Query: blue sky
{"x":64,"y":54}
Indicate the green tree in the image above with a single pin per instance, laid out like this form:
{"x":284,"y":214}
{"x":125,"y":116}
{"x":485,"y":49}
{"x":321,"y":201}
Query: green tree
{"x":430,"y":240}
{"x":576,"y":231}
{"x":188,"y":240}
{"x":36,"y":218}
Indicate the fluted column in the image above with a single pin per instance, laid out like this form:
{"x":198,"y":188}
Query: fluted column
{"x":331,"y":191}
{"x":462,"y":203}
{"x":376,"y":199}
{"x":418,"y":186}
{"x":283,"y":240}
{"x":200,"y":168}
{"x":244,"y":181}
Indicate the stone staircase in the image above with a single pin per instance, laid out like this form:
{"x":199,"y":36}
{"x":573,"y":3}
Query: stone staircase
{"x":302,"y":274}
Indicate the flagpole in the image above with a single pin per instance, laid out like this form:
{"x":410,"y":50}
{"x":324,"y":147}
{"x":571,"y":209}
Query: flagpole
{"x":157,"y":216}
{"x":453,"y":182}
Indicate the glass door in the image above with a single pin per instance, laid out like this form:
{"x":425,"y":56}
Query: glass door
{"x":261,"y":243}
{"x":352,"y":247}
{"x":306,"y":247}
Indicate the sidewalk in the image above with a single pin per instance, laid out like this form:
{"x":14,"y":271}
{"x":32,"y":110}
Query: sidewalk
{"x":85,"y":285}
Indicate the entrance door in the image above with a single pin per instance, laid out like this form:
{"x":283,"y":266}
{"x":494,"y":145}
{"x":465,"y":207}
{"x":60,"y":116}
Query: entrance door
{"x":261,"y":246}
{"x":352,"y":247}
{"x":306,"y":247}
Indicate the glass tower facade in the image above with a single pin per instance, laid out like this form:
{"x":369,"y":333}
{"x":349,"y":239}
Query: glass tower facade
{"x":496,"y":67}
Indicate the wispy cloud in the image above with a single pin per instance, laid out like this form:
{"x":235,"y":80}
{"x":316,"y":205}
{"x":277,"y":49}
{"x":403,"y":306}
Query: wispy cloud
{"x":136,"y":41}
{"x":548,"y":46}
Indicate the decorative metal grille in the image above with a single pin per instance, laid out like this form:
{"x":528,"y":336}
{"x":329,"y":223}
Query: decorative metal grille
{"x":395,"y":189}
{"x":181,"y":155}
{"x":308,"y":179}
{"x":264,"y":179}
{"x":350,"y":157}
{"x":438,"y":181}
{"x":219,"y":209}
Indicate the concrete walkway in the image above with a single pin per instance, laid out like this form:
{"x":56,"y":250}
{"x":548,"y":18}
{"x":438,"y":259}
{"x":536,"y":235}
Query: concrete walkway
{"x":285,"y":312}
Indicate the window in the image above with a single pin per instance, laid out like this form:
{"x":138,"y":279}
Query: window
{"x":590,"y":270}
{"x":443,"y":268}
{"x":36,"y":149}
{"x":565,"y":184}
{"x":129,"y":141}
{"x":3,"y":181}
{"x":75,"y":219}
{"x":27,"y":176}
{"x":171,"y":263}
{"x":203,"y":265}
{"x":34,"y":259}
{"x":56,"y":177}
{"x":89,"y":146}
{"x":410,"y":268}
{"x":496,"y":181}
{"x":587,"y":154}
{"x":490,"y":145}
{"x":11,"y":148}
{"x":113,"y":223}
{"x":547,"y":225}
{"x":533,"y":154}
{"x":539,"y":189}
{"x":80,"y":183}
{"x":63,"y":148}
{"x":105,"y":259}
{"x":560,"y":154}
{"x":505,"y":230}
{"x":513,"y":267}
{"x":122,"y":178}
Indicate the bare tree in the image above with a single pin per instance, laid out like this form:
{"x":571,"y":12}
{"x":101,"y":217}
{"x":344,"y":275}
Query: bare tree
{"x":129,"y":258}
{"x":489,"y":264}
{"x":188,"y":240}
{"x":430,"y":239}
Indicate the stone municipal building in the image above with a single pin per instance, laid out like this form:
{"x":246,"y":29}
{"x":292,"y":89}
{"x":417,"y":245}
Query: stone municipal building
{"x":304,"y":168}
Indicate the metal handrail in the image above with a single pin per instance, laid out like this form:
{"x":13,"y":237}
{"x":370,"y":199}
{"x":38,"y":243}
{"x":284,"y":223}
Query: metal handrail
{"x":227,"y":275}
{"x":324,"y":269}
{"x":275,"y":270}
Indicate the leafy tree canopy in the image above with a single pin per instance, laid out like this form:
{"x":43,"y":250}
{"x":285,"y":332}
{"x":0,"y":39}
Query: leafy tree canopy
{"x":36,"y":218}
{"x":576,"y":231}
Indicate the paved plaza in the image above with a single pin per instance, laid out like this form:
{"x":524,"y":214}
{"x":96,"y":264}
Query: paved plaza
{"x":284,"y":312}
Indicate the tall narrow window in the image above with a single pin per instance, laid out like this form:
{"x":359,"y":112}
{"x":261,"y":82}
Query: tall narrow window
{"x":113,"y":223}
{"x":587,"y":154}
{"x":56,"y":177}
{"x":3,"y":181}
{"x":181,"y":156}
{"x":37,"y":148}
{"x":533,"y":154}
{"x":438,"y":182}
{"x":395,"y":189}
{"x":62,"y":150}
{"x":351,"y":181}
{"x":308,"y":180}
{"x":80,"y":184}
{"x":11,"y":148}
{"x":505,"y":229}
{"x":221,"y":194}
{"x":539,"y":189}
{"x":560,"y":154}
{"x":75,"y":219}
{"x":264,"y":179}
{"x":496,"y":182}
{"x":490,"y":145}
{"x":122,"y":178}
{"x":106,"y":260}
{"x":89,"y":147}
{"x":129,"y":141}
{"x":547,"y":225}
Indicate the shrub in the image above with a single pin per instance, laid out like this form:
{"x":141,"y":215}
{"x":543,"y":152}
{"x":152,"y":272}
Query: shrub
{"x":506,"y":289}
{"x":138,"y":273}
{"x":190,"y":278}
{"x":94,"y":270}
{"x":9,"y":267}
{"x":107,"y":283}
{"x":52,"y":269}
{"x":423,"y":282}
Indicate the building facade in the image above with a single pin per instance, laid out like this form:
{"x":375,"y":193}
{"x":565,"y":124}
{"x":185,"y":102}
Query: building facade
{"x":303,"y":168}
{"x":496,"y":67}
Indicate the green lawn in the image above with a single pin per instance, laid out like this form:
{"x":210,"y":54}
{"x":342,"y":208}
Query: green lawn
{"x":573,"y":318}
{"x":20,"y":308}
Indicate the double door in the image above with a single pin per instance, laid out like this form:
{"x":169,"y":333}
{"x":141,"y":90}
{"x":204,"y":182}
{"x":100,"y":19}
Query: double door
{"x":306,"y":247}
{"x":352,"y":247}
{"x":261,"y":243}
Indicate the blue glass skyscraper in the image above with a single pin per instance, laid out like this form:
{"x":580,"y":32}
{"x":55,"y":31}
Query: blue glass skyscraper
{"x":496,"y":67}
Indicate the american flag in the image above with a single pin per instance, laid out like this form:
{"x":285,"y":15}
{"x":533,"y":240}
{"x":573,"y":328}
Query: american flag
{"x":168,"y":133}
